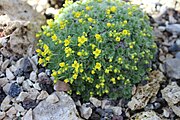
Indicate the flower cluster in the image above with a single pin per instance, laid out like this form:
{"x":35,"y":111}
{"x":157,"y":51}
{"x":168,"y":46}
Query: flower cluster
{"x":99,"y":47}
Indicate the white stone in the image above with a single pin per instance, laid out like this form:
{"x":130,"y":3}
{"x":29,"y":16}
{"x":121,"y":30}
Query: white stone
{"x":28,"y":115}
{"x":35,"y":59}
{"x":18,"y":107}
{"x":29,"y":82}
{"x":33,"y":93}
{"x":105,"y":104}
{"x":19,"y":80}
{"x":95,"y":101}
{"x":65,"y":109}
{"x":25,"y":85}
{"x":7,"y":87}
{"x":2,"y":115}
{"x":11,"y":112}
{"x":36,"y":86}
{"x":9,"y":74}
{"x":149,"y":115}
{"x":5,"y":64}
{"x":43,"y":95}
{"x":52,"y":98}
{"x":3,"y":81}
{"x":117,"y":110}
{"x":13,"y":68}
{"x":22,"y":96}
{"x":85,"y":111}
{"x":33,"y":76}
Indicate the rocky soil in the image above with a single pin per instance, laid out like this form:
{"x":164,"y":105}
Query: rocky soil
{"x":26,"y":89}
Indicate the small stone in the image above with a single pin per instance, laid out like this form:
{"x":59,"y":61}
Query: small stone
{"x":2,"y":115}
{"x":162,"y":58}
{"x":85,"y":111}
{"x":20,"y":80}
{"x":33,"y":76}
{"x":6,"y":103}
{"x":178,"y":55}
{"x":95,"y":101}
{"x":173,"y":28}
{"x":172,"y":67}
{"x":43,"y":95}
{"x":25,"y":85}
{"x":116,"y":110}
{"x":5,"y":64}
{"x":33,"y":93}
{"x":22,"y":96}
{"x":13,"y":68}
{"x":29,"y":103}
{"x":157,"y":105}
{"x":162,"y":28}
{"x":28,"y":115}
{"x":27,"y":66}
{"x":14,"y":90}
{"x":35,"y":59}
{"x":30,"y":83}
{"x":166,"y":112}
{"x":9,"y":74}
{"x":19,"y":72}
{"x":3,"y":81}
{"x":175,"y":47}
{"x":18,"y":107}
{"x":52,"y":98}
{"x":149,"y":115}
{"x":36,"y":86}
{"x":7,"y":87}
{"x":11,"y":112}
{"x":48,"y":72}
{"x":105,"y":104}
{"x":78,"y":103}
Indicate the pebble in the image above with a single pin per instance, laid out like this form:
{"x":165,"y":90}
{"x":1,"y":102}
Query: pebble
{"x":22,"y":96}
{"x":27,"y":66}
{"x":2,"y":115}
{"x":173,"y":28}
{"x":33,"y":76}
{"x":29,"y":103}
{"x":11,"y":112}
{"x":95,"y":101}
{"x":9,"y":74}
{"x":6,"y":103}
{"x":166,"y":112}
{"x":18,"y":107}
{"x":52,"y":98}
{"x":105,"y":104}
{"x":30,"y":83}
{"x":116,"y":110}
{"x":28,"y":115}
{"x":5,"y":64}
{"x":35,"y":59}
{"x":13,"y":68}
{"x":43,"y":95}
{"x":14,"y":90}
{"x":36,"y":86}
{"x":175,"y":47}
{"x":3,"y":81}
{"x":20,"y":80}
{"x":33,"y":93}
{"x":7,"y":87}
{"x":18,"y":72}
{"x":162,"y":28}
{"x":157,"y":105}
{"x":85,"y":111}
{"x":25,"y":85}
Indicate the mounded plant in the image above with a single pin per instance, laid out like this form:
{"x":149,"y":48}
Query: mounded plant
{"x":98,"y":47}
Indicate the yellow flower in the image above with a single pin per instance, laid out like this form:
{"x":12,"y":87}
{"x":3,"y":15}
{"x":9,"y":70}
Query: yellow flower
{"x":66,"y":42}
{"x":106,"y":91}
{"x":82,"y":40}
{"x":98,"y":37}
{"x":113,"y":80}
{"x":108,"y":24}
{"x":75,"y":76}
{"x":125,"y":32}
{"x":97,"y":52}
{"x":88,"y":8}
{"x":118,"y":39}
{"x":98,"y":66}
{"x":62,"y":64}
{"x":92,"y":46}
{"x":120,"y":60}
{"x":75,"y":65}
{"x":77,"y":14}
{"x":48,"y":58}
{"x":80,"y":20}
{"x":92,"y":72}
{"x":54,"y":37}
{"x":113,"y":9}
{"x":108,"y":11}
{"x":68,"y":51}
{"x":90,"y":20}
{"x":40,"y":61}
{"x":38,"y":51}
{"x":66,"y":80}
{"x":54,"y":74}
{"x":97,"y":86}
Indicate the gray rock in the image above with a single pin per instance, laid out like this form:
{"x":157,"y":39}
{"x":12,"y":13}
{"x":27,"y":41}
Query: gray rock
{"x":116,"y":110}
{"x":7,"y":87}
{"x":95,"y":101}
{"x":19,"y":80}
{"x":173,"y":28}
{"x":28,"y":115}
{"x":172,"y":67}
{"x":11,"y":112}
{"x":52,"y":98}
{"x":149,"y":115}
{"x":22,"y":96}
{"x":166,"y":112}
{"x":6,"y":103}
{"x":14,"y":90}
{"x":18,"y":107}
{"x":171,"y":94}
{"x":2,"y":115}
{"x":9,"y":74}
{"x":175,"y":47}
{"x":5,"y":64}
{"x":43,"y":95}
{"x":33,"y":76}
{"x":33,"y":93}
{"x":3,"y":81}
{"x":85,"y":111}
{"x":177,"y":55}
{"x":65,"y":109}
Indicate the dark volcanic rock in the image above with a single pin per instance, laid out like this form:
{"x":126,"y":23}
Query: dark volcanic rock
{"x":14,"y":90}
{"x":27,"y":66}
